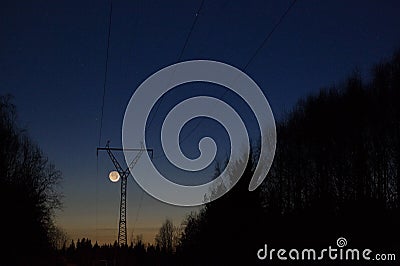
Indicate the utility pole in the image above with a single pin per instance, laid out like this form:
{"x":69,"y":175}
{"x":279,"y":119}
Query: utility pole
{"x":122,"y":231}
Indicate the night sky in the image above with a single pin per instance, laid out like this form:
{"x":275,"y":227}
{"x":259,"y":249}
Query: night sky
{"x":52,"y":60}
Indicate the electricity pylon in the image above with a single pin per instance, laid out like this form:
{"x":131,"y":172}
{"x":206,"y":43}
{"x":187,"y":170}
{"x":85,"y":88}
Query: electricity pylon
{"x":122,"y":239}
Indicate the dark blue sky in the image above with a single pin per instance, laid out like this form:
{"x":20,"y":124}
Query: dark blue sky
{"x":52,"y":59}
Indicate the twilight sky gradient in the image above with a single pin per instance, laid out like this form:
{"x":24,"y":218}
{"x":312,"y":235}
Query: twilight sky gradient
{"x":52,"y":59}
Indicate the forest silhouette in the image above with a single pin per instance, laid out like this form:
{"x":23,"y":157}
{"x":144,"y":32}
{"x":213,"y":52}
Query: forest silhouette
{"x":28,"y":195}
{"x":335,"y":174}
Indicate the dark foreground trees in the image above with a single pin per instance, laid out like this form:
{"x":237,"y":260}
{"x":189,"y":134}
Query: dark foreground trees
{"x":28,"y":195}
{"x":168,"y":237}
{"x":336,"y":173}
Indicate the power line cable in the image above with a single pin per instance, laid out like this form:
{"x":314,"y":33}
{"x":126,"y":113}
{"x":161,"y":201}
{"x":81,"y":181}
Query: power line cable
{"x":180,"y":55}
{"x":259,"y":48}
{"x":102,"y":111}
{"x":250,"y":60}
{"x":138,"y":210}
{"x":162,"y":98}
{"x":267,"y":37}
{"x":105,"y":71}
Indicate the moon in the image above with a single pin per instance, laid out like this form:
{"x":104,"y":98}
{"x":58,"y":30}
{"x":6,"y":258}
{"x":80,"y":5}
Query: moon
{"x":114,"y":176}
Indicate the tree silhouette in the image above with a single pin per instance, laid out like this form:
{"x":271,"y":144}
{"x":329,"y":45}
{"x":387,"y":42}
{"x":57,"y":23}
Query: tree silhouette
{"x":28,"y":195}
{"x":168,"y":237}
{"x":164,"y":238}
{"x":336,"y":169}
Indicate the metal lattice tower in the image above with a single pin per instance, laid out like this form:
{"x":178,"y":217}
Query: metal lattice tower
{"x":122,"y":231}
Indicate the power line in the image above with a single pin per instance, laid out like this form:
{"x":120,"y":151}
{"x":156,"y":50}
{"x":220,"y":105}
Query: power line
{"x":180,"y":55}
{"x":105,"y":71}
{"x":102,"y":109}
{"x":191,"y":29}
{"x":162,"y":98}
{"x":138,"y":211}
{"x":270,"y":34}
{"x":259,"y":48}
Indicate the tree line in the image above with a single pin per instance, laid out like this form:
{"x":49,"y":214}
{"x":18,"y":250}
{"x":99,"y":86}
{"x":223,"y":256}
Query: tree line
{"x":29,"y":195}
{"x":335,"y":173}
